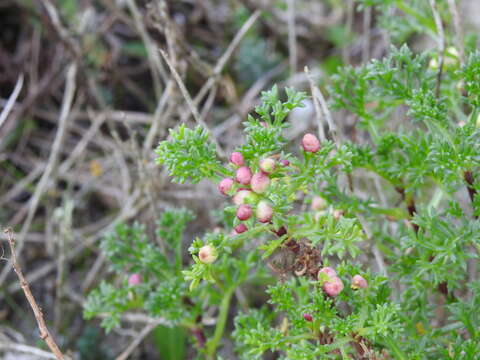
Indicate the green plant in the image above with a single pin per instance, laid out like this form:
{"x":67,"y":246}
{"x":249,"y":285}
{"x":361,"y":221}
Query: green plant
{"x":416,"y":300}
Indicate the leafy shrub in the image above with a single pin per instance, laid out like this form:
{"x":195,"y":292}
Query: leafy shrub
{"x":306,"y":235}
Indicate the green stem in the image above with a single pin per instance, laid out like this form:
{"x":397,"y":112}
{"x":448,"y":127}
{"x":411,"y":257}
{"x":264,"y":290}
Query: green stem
{"x":221,"y":322}
{"x":398,"y":354}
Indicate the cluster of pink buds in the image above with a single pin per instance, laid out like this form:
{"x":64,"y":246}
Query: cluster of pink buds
{"x":247,"y":188}
{"x":332,"y":285}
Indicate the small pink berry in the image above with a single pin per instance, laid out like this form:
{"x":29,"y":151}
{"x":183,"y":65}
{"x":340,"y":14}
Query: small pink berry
{"x":267,"y":165}
{"x":318,"y":203}
{"x":207,"y":254}
{"x":244,"y":212}
{"x":329,"y":272}
{"x":310,"y":143}
{"x":260,"y":182}
{"x":334,"y":287}
{"x":240,"y":196}
{"x":240,"y":228}
{"x":308,"y":317}
{"x":237,"y":159}
{"x":264,"y":212}
{"x":243,"y":175}
{"x":225,"y":186}
{"x":134,"y":279}
{"x":285,"y":162}
{"x":359,"y":282}
{"x":337,"y":214}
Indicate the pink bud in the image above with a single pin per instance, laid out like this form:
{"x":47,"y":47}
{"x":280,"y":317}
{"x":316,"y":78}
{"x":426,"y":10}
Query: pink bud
{"x":327,"y":271}
{"x":318,"y":203}
{"x":308,"y":317}
{"x":240,"y":196}
{"x":207,"y":254}
{"x":334,"y":287}
{"x":244,"y":212}
{"x":237,"y":159}
{"x":267,"y":165}
{"x":134,"y":279}
{"x":359,"y":282}
{"x":310,"y":143}
{"x":285,"y":162}
{"x":243,"y":175}
{"x":225,"y":186}
{"x":260,"y":182}
{"x":264,"y":211}
{"x":240,"y":228}
{"x":337,"y":214}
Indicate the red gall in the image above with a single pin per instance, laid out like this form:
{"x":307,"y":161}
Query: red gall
{"x":310,"y":143}
{"x":225,"y":186}
{"x":207,"y":254}
{"x":243,"y":175}
{"x":260,"y":182}
{"x":236,"y":158}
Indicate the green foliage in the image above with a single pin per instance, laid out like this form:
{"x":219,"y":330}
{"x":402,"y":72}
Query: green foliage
{"x":162,"y":290}
{"x":264,"y":135}
{"x":392,"y":215}
{"x":471,"y":76}
{"x":189,"y":156}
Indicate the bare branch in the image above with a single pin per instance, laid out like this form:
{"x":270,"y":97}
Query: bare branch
{"x":143,"y":334}
{"x":317,"y":94}
{"x":292,"y":37}
{"x":11,"y":100}
{"x":188,"y":99}
{"x":44,"y":333}
{"x":52,"y":161}
{"x":441,"y":45}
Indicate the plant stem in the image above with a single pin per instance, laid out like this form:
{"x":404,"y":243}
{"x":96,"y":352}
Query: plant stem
{"x":398,"y":354}
{"x":221,"y":322}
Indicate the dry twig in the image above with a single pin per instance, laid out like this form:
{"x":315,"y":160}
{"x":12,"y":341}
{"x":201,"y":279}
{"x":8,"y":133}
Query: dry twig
{"x":11,"y":100}
{"x":143,"y":334}
{"x":52,"y":161}
{"x":292,"y":37}
{"x":441,"y":44}
{"x":44,"y":333}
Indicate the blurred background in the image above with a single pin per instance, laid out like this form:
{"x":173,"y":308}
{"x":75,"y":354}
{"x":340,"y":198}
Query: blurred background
{"x":87,"y":90}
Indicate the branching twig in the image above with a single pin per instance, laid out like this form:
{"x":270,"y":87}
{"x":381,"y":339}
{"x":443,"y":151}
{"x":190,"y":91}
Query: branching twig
{"x":441,"y":45}
{"x":22,"y":348}
{"x":156,"y":66}
{"x":52,"y":161}
{"x":224,"y":59}
{"x":189,"y":101}
{"x":44,"y":333}
{"x":11,"y":100}
{"x":317,"y":94}
{"x":367,"y":22}
{"x":143,"y":334}
{"x":318,"y":111}
{"x":292,"y":37}
{"x":457,"y":23}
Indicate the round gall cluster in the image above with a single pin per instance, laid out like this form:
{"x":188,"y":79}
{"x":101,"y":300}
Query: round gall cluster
{"x":332,"y":285}
{"x":250,"y":183}
{"x":248,"y":189}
